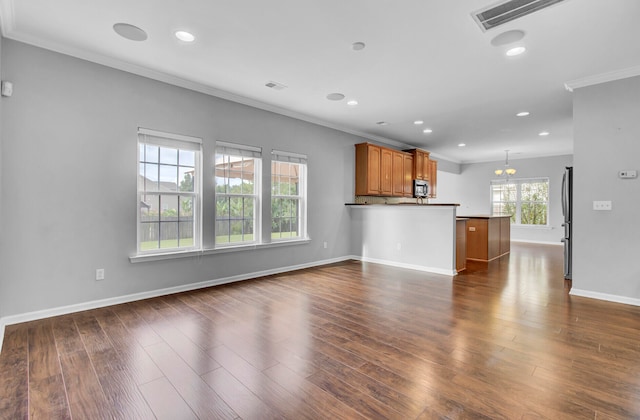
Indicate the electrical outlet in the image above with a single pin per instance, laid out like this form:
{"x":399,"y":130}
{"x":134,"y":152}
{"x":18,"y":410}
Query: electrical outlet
{"x":602,"y":205}
{"x":629,"y":174}
{"x":100,"y":274}
{"x":324,"y":245}
{"x":399,"y":246}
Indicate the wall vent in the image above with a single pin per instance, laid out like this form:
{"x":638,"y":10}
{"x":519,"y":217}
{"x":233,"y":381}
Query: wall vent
{"x":275,"y":85}
{"x":504,"y":12}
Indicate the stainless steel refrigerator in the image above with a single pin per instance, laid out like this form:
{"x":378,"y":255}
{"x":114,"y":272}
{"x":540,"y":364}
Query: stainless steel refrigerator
{"x":567,"y":212}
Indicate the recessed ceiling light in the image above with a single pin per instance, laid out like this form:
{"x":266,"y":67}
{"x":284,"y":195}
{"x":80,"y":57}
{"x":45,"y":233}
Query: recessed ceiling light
{"x":427,"y":131}
{"x":335,"y":96}
{"x":357,"y":46}
{"x":130,"y":32}
{"x":185,"y":36}
{"x":382,"y":123}
{"x":418,"y":122}
{"x":522,"y":114}
{"x":462,"y":145}
{"x":543,"y":133}
{"x":515,"y":51}
{"x":352,"y":102}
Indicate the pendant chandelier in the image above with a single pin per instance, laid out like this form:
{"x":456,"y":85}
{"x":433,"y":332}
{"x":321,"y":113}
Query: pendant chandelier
{"x":507,"y":170}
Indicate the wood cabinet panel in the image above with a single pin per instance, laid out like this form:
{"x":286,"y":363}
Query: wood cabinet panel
{"x":433,"y":178}
{"x":488,"y":238}
{"x":477,"y":233}
{"x":386,"y":167}
{"x":505,"y":235}
{"x":397,"y":174}
{"x":408,"y":175}
{"x":493,"y":238}
{"x":461,"y":245}
{"x":368,"y":160}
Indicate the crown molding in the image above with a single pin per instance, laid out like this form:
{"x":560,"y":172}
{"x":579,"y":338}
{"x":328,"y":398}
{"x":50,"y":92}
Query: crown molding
{"x":191,"y":85}
{"x":602,"y":78}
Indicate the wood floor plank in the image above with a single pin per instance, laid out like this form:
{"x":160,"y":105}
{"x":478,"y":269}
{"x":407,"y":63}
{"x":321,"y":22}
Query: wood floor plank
{"x":14,"y":374}
{"x":272,"y":393}
{"x":204,"y":402}
{"x":325,"y":404}
{"x":47,"y":395}
{"x":190,"y":352}
{"x":239,"y":397}
{"x":85,"y":394}
{"x":113,"y":373}
{"x":135,"y":360}
{"x":165,"y":401}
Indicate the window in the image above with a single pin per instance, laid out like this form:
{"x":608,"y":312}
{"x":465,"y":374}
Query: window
{"x":288,"y":195}
{"x":168,"y":192}
{"x":526,"y":200}
{"x":237,"y":180}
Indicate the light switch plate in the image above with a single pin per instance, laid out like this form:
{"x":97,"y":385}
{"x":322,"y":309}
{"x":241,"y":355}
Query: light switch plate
{"x":602,"y":205}
{"x":628,"y":174}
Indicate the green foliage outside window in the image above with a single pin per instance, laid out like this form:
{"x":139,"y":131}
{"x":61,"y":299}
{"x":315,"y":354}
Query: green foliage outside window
{"x":525,"y":200}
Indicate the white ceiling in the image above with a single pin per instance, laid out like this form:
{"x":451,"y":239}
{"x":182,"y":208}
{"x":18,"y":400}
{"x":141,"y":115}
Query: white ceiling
{"x":424,"y":59}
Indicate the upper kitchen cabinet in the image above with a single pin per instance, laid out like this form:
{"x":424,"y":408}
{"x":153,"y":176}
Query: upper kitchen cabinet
{"x":433,"y":178}
{"x":382,"y":171}
{"x":368,"y":171}
{"x":386,"y":171}
{"x":420,"y":164}
{"x":402,"y":174}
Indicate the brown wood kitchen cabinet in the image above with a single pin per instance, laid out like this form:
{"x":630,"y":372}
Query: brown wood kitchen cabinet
{"x":433,"y":178}
{"x":368,"y":169}
{"x":382,"y":171}
{"x":420,"y":164}
{"x":408,"y":175}
{"x":488,"y":237}
{"x":461,"y":244}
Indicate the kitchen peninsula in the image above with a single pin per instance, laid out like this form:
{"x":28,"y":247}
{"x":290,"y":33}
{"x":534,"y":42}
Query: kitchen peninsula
{"x":416,"y":236}
{"x":390,"y":222}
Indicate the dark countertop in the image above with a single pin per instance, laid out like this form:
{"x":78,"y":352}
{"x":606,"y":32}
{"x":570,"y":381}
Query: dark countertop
{"x":402,"y":204}
{"x":483,"y":216}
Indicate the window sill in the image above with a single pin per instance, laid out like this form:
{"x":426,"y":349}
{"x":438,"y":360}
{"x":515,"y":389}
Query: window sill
{"x":196,"y":253}
{"x":532,"y":227}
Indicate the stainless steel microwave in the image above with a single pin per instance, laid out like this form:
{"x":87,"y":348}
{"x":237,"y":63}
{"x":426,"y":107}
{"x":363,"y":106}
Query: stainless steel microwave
{"x":420,"y":188}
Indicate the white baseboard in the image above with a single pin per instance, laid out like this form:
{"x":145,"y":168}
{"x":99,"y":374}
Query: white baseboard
{"x":526,"y":241}
{"x":63,"y":310}
{"x":604,"y":296}
{"x":409,"y":266}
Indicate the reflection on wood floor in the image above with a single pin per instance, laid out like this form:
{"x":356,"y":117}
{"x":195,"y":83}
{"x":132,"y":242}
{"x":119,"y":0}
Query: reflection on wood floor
{"x":350,"y":340}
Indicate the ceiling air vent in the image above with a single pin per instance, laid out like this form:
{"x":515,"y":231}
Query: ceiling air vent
{"x":275,"y":85}
{"x":507,"y":11}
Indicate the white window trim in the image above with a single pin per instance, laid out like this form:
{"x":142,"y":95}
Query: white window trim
{"x":161,"y":138}
{"x":213,"y":251}
{"x":291,"y":157}
{"x":254,"y":152}
{"x":521,"y":181}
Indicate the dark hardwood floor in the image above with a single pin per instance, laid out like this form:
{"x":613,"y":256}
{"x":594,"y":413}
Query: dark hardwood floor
{"x":346,"y":341}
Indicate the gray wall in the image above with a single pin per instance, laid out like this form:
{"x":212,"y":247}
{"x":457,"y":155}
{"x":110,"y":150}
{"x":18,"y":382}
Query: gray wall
{"x":2,"y":291}
{"x":69,"y":180}
{"x":607,"y":139}
{"x":471,"y":190}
